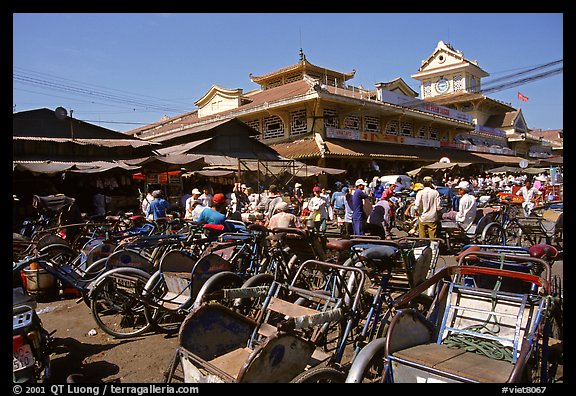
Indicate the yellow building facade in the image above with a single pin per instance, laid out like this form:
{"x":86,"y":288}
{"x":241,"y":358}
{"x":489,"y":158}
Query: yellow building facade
{"x":312,"y":114}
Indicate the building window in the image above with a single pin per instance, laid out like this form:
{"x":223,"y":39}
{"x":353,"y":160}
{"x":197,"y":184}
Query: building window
{"x":352,"y":122}
{"x":330,"y":118}
{"x":298,"y":122}
{"x":371,"y":124}
{"x":473,"y":85}
{"x":273,"y":127}
{"x":458,"y":83}
{"x":255,"y":124}
{"x":434,"y":133}
{"x":423,"y":132}
{"x":406,"y":128}
{"x":427,"y":89}
{"x":392,"y":128}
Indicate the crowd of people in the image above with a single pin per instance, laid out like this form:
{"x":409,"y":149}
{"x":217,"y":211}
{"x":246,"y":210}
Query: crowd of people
{"x":359,"y":208}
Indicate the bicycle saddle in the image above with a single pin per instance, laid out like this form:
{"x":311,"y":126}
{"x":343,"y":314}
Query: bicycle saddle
{"x":382,"y":254}
{"x":543,"y":251}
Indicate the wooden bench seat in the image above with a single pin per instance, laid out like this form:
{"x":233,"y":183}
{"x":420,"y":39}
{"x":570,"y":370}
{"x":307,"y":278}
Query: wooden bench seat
{"x":289,"y":309}
{"x":232,"y":362}
{"x":456,"y":361}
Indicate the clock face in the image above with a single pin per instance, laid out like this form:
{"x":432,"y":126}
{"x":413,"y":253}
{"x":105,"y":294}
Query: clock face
{"x":442,"y":85}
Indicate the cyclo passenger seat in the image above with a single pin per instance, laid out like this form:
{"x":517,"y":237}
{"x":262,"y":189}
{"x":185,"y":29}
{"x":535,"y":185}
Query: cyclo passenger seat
{"x":382,"y":256}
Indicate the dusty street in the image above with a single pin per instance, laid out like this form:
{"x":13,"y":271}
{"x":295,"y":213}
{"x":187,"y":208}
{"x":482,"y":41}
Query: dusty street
{"x":102,"y":358}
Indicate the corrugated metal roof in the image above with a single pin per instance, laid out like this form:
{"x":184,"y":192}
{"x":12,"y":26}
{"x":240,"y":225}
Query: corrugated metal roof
{"x":43,"y":123}
{"x":305,"y":148}
{"x":91,"y":142}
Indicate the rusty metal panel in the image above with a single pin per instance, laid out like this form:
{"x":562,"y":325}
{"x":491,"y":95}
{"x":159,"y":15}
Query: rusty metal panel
{"x":213,"y":330}
{"x":279,"y":359}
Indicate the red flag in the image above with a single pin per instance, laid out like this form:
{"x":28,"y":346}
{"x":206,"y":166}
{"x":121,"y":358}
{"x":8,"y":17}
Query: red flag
{"x":522,"y":97}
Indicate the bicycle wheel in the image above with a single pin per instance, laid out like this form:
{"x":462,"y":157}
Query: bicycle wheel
{"x":320,"y":375}
{"x":59,"y":254}
{"x":117,"y":305}
{"x":494,"y":235}
{"x":547,"y":356}
{"x":251,"y":306}
{"x":219,"y":281}
{"x":513,"y":233}
{"x":161,"y":319}
{"x":369,"y":365}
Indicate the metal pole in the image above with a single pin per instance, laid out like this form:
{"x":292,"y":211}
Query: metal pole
{"x":71,"y":124}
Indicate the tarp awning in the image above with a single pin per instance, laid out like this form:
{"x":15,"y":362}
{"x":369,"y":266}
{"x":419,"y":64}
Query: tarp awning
{"x":551,"y":161}
{"x":438,"y":166}
{"x":42,"y":167}
{"x":311,"y":170}
{"x":514,"y":169}
{"x":210,"y":172}
{"x":499,"y":158}
{"x":49,"y":167}
{"x":162,"y":163}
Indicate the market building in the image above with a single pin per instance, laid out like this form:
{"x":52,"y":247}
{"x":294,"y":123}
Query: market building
{"x":312,"y":114}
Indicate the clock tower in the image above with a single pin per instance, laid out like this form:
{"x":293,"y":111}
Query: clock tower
{"x":446,"y":72}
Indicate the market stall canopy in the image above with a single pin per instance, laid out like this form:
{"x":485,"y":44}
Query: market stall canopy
{"x":437,"y":166}
{"x":513,"y":169}
{"x":551,"y":161}
{"x":209,"y":173}
{"x":505,"y":169}
{"x":102,"y":166}
{"x":295,"y":168}
{"x":42,"y":167}
{"x":49,"y":167}
{"x":168,"y":162}
{"x":311,"y":170}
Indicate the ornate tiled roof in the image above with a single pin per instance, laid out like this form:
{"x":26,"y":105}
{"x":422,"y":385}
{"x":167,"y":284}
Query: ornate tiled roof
{"x":304,"y":65}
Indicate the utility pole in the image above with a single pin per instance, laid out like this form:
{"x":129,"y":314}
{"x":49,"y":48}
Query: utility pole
{"x":71,"y":124}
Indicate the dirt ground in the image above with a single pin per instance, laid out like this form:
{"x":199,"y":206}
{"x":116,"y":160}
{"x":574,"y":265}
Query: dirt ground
{"x":102,"y":358}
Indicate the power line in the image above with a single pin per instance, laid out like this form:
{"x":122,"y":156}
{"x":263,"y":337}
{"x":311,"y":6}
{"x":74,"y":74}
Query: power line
{"x":178,"y":102}
{"x":135,"y":102}
{"x":531,"y":69}
{"x":85,"y":92}
{"x":82,"y":90}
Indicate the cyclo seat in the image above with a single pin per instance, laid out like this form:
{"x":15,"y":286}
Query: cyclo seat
{"x":543,"y":251}
{"x":382,"y":256}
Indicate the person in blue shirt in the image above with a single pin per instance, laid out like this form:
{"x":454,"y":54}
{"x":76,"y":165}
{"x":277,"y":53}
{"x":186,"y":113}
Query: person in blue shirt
{"x":338,"y":199}
{"x":378,"y":190}
{"x":216,"y":214}
{"x":158,"y":207}
{"x":358,"y":216}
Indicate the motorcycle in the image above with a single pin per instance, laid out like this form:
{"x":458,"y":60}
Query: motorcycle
{"x":31,"y":343}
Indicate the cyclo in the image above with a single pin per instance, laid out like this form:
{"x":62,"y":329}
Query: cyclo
{"x":128,"y":301}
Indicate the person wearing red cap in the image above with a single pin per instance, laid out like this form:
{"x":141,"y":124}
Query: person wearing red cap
{"x":319,"y":210}
{"x":216,"y":214}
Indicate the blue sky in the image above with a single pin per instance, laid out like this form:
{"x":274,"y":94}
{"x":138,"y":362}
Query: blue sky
{"x":122,"y":70}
